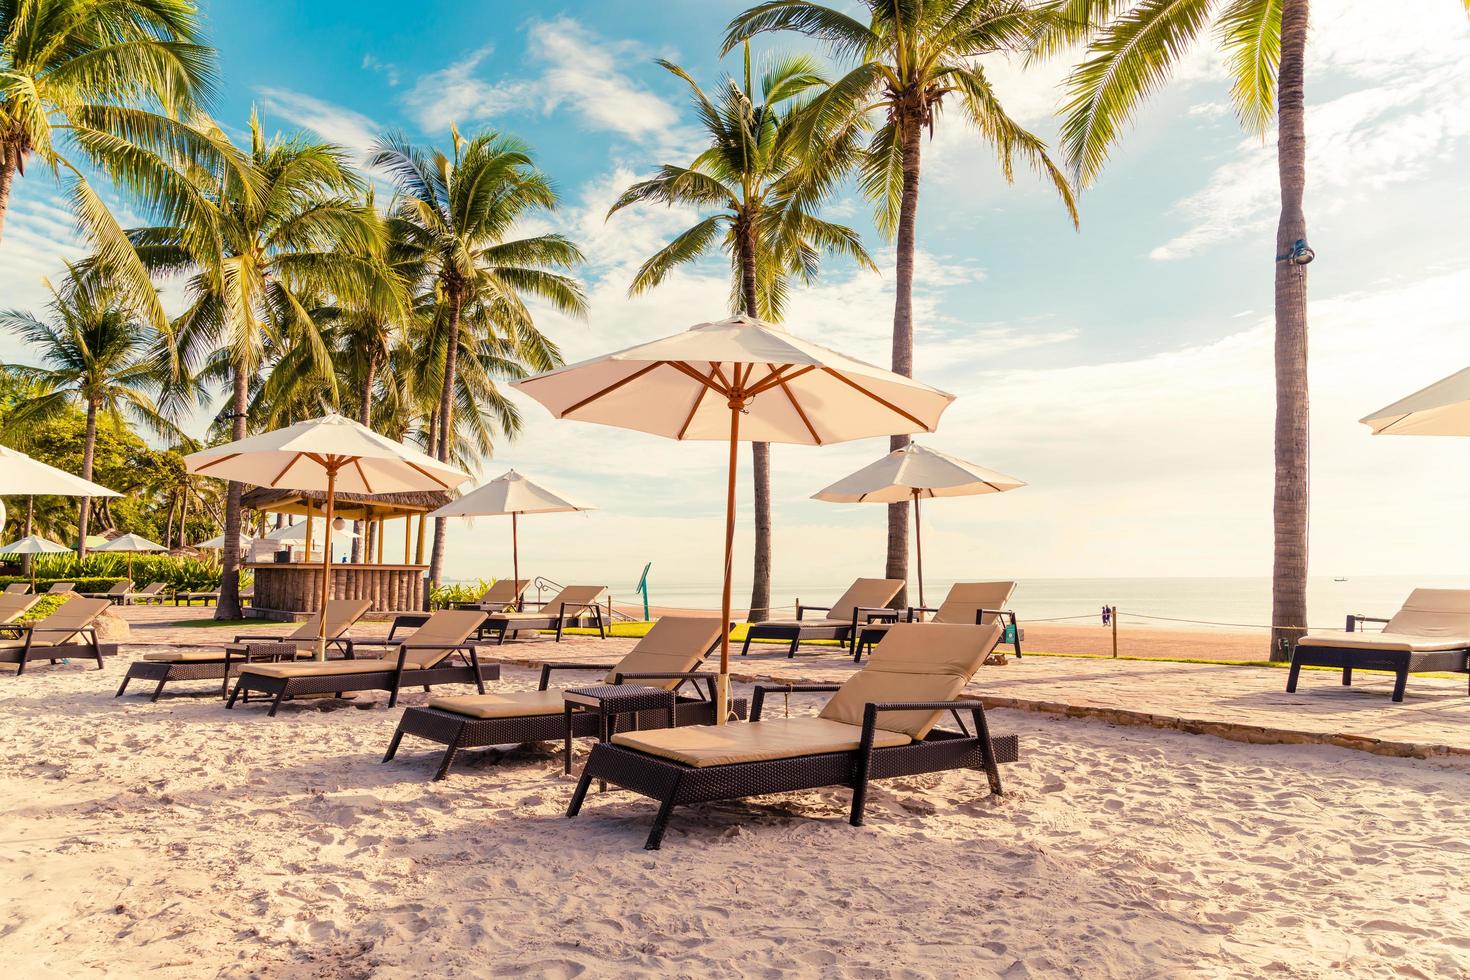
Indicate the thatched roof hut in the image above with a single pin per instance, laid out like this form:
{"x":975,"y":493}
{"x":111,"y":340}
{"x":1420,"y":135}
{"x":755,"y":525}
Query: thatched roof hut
{"x":351,"y":506}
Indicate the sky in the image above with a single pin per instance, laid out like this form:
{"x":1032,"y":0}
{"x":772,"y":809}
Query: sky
{"x":1122,"y":370}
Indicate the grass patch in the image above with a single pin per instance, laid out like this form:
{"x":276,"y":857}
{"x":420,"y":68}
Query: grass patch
{"x":227,"y":623}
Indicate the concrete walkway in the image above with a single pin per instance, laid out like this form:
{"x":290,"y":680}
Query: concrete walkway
{"x":1243,"y":703}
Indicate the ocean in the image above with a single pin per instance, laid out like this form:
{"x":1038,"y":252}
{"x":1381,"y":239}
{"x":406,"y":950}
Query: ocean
{"x":1183,"y":602}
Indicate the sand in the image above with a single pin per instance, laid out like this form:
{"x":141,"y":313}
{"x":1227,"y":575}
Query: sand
{"x":187,"y":841}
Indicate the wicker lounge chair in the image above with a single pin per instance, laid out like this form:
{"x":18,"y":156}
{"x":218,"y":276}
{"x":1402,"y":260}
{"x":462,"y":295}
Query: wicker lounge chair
{"x":1430,"y":633}
{"x":68,"y":632}
{"x":152,"y":592}
{"x":117,"y":594}
{"x":203,"y":665}
{"x":561,"y":610}
{"x":61,"y":588}
{"x":505,"y":594}
{"x":866,"y":596}
{"x":18,"y":588}
{"x":967,"y":602}
{"x":668,"y":657}
{"x":879,"y":723}
{"x":418,"y":659}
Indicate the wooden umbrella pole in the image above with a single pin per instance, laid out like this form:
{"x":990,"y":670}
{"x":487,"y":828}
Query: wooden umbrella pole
{"x":515,"y":553}
{"x":321,"y":646}
{"x":722,"y":698}
{"x":919,"y":546}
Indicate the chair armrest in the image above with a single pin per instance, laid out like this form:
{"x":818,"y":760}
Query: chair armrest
{"x":873,"y":709}
{"x":1353,"y":622}
{"x":761,"y":689}
{"x":241,"y":638}
{"x":913,"y":611}
{"x":877,"y":612}
{"x":801,"y":609}
{"x":546,"y":670}
{"x":375,"y":642}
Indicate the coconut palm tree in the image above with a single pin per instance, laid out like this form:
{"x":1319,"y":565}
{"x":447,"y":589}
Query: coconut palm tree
{"x":96,"y":354}
{"x":291,"y":228}
{"x":758,"y":184}
{"x":453,"y":217}
{"x":111,"y":86}
{"x":912,"y":58}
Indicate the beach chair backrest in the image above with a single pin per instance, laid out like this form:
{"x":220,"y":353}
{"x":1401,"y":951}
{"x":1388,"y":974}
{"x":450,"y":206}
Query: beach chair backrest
{"x":676,"y":644}
{"x":120,"y":588}
{"x":505,"y":591}
{"x":966,"y":599}
{"x":451,"y":627}
{"x":1433,"y":612}
{"x":341,"y":614}
{"x":60,"y":588}
{"x":74,"y":614}
{"x":18,"y":588}
{"x":12,"y":605}
{"x":575,"y":596}
{"x":865,"y":593}
{"x":154,"y":588}
{"x":914,"y":662}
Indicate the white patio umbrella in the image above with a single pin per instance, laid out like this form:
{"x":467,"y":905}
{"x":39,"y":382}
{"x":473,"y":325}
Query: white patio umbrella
{"x":328,"y":454}
{"x":1442,"y":409}
{"x":511,"y":494}
{"x":734,"y":380}
{"x":23,"y":476}
{"x":34,"y":545}
{"x":131,"y":543}
{"x":912,"y":473}
{"x":218,"y":542}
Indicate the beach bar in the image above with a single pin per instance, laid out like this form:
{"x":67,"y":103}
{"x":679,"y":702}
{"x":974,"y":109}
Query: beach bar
{"x":288,"y":583}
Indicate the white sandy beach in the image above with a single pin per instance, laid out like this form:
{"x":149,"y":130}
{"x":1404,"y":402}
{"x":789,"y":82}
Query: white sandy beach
{"x":184,"y":840}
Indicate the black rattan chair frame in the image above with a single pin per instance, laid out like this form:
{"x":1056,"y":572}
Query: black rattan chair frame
{"x":844,"y":633}
{"x":1401,"y":663}
{"x":676,"y":784}
{"x":88,"y":648}
{"x":567,"y":614}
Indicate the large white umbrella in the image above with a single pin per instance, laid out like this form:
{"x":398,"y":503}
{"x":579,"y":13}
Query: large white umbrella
{"x":1442,"y":409}
{"x":327,"y":454}
{"x":34,"y":544}
{"x":912,"y":473}
{"x":511,"y":494}
{"x":218,"y":542}
{"x":734,"y":380}
{"x":131,"y":543}
{"x":23,"y":476}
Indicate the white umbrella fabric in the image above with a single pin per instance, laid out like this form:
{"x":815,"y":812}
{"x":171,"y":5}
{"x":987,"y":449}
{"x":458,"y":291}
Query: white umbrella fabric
{"x":130,"y":543}
{"x":739,"y":379}
{"x":34,"y":545}
{"x":24,"y":476}
{"x":513,"y":494}
{"x":912,"y":473}
{"x":327,"y":454}
{"x":1442,"y":409}
{"x":218,"y":541}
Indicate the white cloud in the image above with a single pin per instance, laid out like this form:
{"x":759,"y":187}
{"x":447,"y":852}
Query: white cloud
{"x":455,"y":94}
{"x":385,"y":68}
{"x":334,"y":123}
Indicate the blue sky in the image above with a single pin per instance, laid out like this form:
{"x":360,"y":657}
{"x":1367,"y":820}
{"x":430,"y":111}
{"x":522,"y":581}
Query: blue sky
{"x":1124,"y":370}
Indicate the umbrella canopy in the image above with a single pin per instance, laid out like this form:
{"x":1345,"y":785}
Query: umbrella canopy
{"x":34,"y":545}
{"x":297,"y":533}
{"x":739,"y":379}
{"x":1442,"y":409}
{"x":330,"y":453}
{"x":22,"y":476}
{"x":912,"y":473}
{"x":511,"y":494}
{"x":130,"y":543}
{"x":218,"y":541}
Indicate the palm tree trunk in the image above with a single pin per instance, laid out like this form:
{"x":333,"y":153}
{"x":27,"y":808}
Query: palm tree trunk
{"x":1290,"y":506}
{"x":184,"y":521}
{"x":365,"y":416}
{"x":229,"y":589}
{"x":168,"y":531}
{"x":446,"y":427}
{"x":89,"y":452}
{"x":7,"y":180}
{"x":760,"y":455}
{"x":26,"y":560}
{"x":911,"y":133}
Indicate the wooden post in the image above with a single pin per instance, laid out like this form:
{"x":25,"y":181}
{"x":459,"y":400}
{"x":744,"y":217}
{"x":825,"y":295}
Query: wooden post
{"x":308,"y":532}
{"x":1114,"y":619}
{"x":418,"y":546}
{"x":321,"y":647}
{"x":515,"y":550}
{"x":407,"y":519}
{"x":722,"y":683}
{"x":919,"y":547}
{"x":379,"y":534}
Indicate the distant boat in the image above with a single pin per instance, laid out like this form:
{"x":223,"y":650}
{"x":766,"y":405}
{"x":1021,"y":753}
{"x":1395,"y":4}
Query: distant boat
{"x":1340,"y":578}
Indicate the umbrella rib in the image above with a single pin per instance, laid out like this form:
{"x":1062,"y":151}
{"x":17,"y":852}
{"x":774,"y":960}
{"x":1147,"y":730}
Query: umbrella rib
{"x":684,"y":368}
{"x":611,"y":388}
{"x":881,"y":401}
{"x":279,"y":475}
{"x":1393,"y":423}
{"x":778,"y":377}
{"x":216,"y":462}
{"x":357,"y":465}
{"x":698,"y":399}
{"x":419,"y":469}
{"x":791,"y":397}
{"x":721,"y":375}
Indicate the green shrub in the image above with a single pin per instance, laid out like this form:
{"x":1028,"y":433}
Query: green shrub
{"x":45,"y":606}
{"x":81,"y":584}
{"x":445,"y":596}
{"x":181,"y":574}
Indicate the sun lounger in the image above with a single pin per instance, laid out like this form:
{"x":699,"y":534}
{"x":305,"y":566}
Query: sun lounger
{"x":68,"y":632}
{"x":153,"y":592}
{"x":418,"y":660}
{"x":188,"y":598}
{"x":967,"y":603}
{"x":560,"y":611}
{"x":117,"y":594}
{"x":668,"y":657}
{"x":61,"y":588}
{"x":866,"y":596}
{"x":879,"y":723}
{"x":1430,"y":633}
{"x":504,"y":594}
{"x":18,"y":588}
{"x":13,"y":606}
{"x":202,"y":665}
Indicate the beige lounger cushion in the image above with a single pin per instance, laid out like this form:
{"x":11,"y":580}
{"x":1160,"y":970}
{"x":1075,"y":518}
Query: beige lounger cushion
{"x":825,"y":623}
{"x":451,"y":627}
{"x":761,"y":741}
{"x":866,"y":593}
{"x":74,"y":615}
{"x":965,"y":599}
{"x":1431,"y":619}
{"x":201,"y":656}
{"x":504,"y":590}
{"x":675,"y":645}
{"x":914,"y":662}
{"x":576,"y":597}
{"x":321,"y":668}
{"x":515,"y":704}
